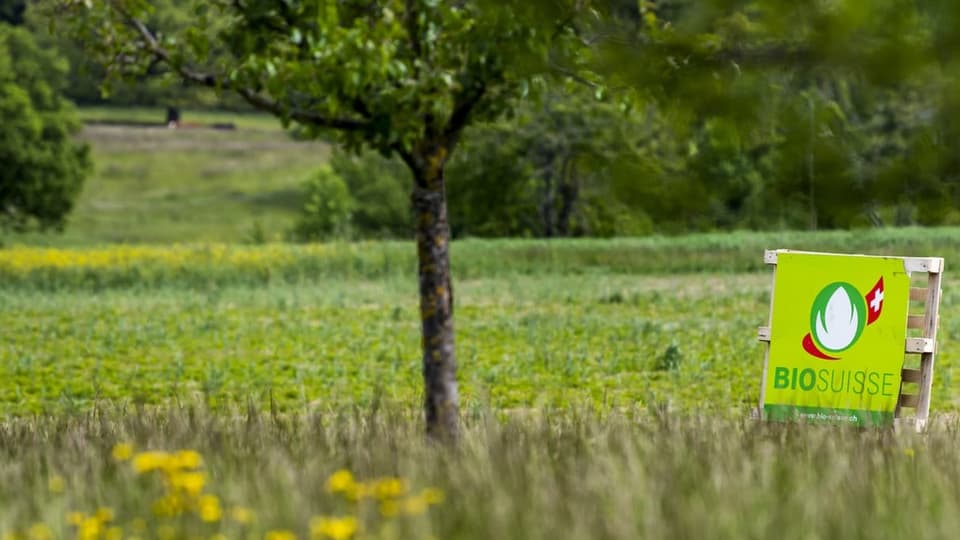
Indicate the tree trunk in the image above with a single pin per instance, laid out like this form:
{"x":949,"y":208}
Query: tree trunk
{"x":441,"y":403}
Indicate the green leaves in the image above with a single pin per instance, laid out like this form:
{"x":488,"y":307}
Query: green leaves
{"x":43,"y":168}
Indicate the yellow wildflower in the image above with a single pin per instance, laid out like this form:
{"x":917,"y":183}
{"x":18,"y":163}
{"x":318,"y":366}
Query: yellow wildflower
{"x":388,"y":488}
{"x":241,"y":514}
{"x":185,"y":459}
{"x":89,"y":529}
{"x":340,"y":528}
{"x":39,"y":531}
{"x":219,"y":536}
{"x":909,"y":452}
{"x":75,"y":518}
{"x":341,"y":482}
{"x":104,"y":514}
{"x":56,"y":484}
{"x":122,"y":451}
{"x":280,"y":535}
{"x":145,"y":462}
{"x":114,"y":533}
{"x":10,"y":536}
{"x":209,"y":508}
{"x":189,"y":482}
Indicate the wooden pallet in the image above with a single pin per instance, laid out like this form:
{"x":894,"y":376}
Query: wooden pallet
{"x":924,"y":343}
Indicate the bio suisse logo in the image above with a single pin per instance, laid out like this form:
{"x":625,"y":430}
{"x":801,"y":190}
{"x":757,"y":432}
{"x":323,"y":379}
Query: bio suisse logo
{"x":838,"y":317}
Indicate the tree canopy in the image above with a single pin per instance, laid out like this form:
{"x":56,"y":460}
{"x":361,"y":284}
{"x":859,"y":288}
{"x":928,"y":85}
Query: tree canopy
{"x":43,"y":167}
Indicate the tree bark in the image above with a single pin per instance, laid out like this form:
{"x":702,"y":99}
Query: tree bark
{"x":441,"y":401}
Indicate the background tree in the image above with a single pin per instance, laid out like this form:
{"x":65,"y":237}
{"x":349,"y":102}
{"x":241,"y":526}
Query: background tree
{"x":402,"y":77}
{"x":43,"y":167}
{"x":12,"y":11}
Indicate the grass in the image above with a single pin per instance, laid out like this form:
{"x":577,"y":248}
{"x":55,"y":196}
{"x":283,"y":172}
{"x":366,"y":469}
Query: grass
{"x":313,"y":327}
{"x":153,"y":184}
{"x":550,"y":475}
{"x":205,"y":265}
{"x":601,"y":397}
{"x":243,"y":121}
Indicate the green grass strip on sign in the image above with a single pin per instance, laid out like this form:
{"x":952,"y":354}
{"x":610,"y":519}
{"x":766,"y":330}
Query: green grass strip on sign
{"x":856,"y":417}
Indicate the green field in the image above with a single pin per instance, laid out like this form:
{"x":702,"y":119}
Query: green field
{"x":603,"y":397}
{"x":153,"y":184}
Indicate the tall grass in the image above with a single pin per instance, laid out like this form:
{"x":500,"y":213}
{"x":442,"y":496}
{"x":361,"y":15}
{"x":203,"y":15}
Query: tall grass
{"x":219,"y":264}
{"x":547,"y":475}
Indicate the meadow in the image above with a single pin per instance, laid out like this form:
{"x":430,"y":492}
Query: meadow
{"x":154,"y":184}
{"x":603,"y":397}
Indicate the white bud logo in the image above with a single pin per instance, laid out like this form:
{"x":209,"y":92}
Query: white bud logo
{"x":837,"y":319}
{"x":837,"y":324}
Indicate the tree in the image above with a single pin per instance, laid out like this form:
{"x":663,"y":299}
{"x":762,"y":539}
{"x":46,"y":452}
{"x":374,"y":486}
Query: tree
{"x":403,"y":77}
{"x":789,"y":104}
{"x":43,"y":168}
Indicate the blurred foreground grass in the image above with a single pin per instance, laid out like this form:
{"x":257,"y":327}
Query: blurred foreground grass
{"x":547,"y":475}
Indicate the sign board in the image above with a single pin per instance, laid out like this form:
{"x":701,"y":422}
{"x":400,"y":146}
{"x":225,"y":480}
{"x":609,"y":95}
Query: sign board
{"x":837,"y":334}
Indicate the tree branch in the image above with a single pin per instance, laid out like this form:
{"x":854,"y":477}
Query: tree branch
{"x":462,"y":107}
{"x":253,"y":97}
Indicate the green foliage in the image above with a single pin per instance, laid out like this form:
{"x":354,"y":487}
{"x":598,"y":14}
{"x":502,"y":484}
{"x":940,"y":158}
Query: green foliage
{"x":43,"y":168}
{"x":93,"y":83}
{"x":374,"y":195}
{"x":389,"y":74}
{"x":381,"y":189}
{"x":328,"y":208}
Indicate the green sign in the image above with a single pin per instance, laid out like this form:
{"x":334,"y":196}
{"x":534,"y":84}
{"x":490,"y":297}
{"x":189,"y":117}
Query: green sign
{"x":837,"y":338}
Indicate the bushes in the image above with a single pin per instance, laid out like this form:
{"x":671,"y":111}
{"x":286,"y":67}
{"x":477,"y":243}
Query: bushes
{"x":42,"y":167}
{"x":328,"y":209}
{"x":365,"y":196}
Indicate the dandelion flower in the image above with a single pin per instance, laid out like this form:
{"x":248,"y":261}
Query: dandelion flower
{"x":341,"y":482}
{"x":209,"y":508}
{"x":190,"y":483}
{"x":341,"y":528}
{"x":145,"y":462}
{"x":185,"y":459}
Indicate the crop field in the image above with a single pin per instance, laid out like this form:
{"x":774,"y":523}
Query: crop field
{"x":226,"y":391}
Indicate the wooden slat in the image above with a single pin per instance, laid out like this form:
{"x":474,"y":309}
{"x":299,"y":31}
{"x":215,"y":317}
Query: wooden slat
{"x":910,"y":375}
{"x":932,"y":265}
{"x":919,"y":345}
{"x":918,"y":294}
{"x":916,"y":321}
{"x":931,"y":321}
{"x":912,"y":346}
{"x":763,"y":333}
{"x":909,"y":400}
